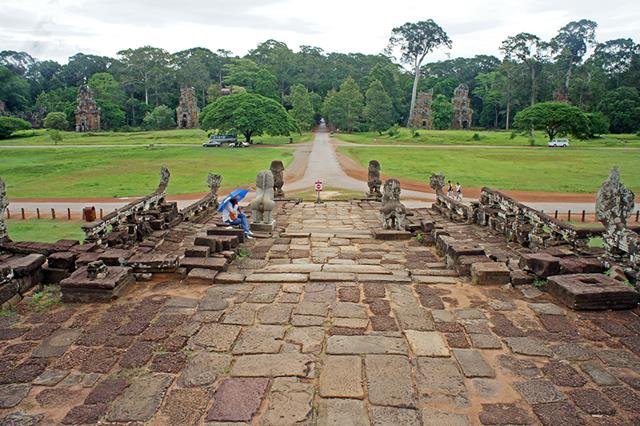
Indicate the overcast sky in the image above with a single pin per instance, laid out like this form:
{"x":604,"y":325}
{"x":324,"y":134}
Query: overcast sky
{"x":56,"y":29}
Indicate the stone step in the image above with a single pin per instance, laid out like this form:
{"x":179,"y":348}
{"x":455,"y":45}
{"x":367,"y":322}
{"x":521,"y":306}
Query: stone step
{"x":304,"y":268}
{"x":216,"y":263}
{"x":435,"y":272}
{"x":154,"y":262}
{"x":490,"y":273}
{"x":197,"y":251}
{"x":428,"y":279}
{"x":224,"y":231}
{"x":357,"y":269}
{"x":592,"y":291}
{"x":201,"y":276}
{"x":332,"y":276}
{"x":379,"y":278}
{"x":261,"y":277}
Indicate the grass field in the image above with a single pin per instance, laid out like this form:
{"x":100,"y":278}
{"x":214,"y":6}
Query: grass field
{"x":44,"y":230}
{"x":497,"y":138}
{"x":185,"y":136}
{"x":554,"y":170}
{"x":121,"y":172}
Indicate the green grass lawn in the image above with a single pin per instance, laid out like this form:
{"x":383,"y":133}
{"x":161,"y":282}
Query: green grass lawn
{"x":465,"y":137}
{"x":184,"y":136}
{"x":121,"y":172}
{"x":44,"y":230}
{"x":554,"y":170}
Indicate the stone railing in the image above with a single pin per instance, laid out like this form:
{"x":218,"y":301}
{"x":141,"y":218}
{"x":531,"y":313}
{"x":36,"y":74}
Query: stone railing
{"x":128,"y":219}
{"x":454,"y":210}
{"x":206,"y":204}
{"x":525,"y":225}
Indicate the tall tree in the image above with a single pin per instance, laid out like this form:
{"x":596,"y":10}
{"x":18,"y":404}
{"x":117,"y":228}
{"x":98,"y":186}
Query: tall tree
{"x":622,"y":107}
{"x":279,"y":59}
{"x":615,"y":57}
{"x":343,"y":109}
{"x":81,"y":67}
{"x":302,"y":109}
{"x":415,"y":41}
{"x":378,"y":111}
{"x":571,"y":44}
{"x":110,"y":98}
{"x":528,"y":49}
{"x":488,"y":90}
{"x":14,"y":90}
{"x":146,"y":67}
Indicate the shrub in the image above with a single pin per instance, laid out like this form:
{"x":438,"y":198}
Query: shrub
{"x":393,"y":130}
{"x":8,"y":125}
{"x":476,"y":137}
{"x":55,"y":135}
{"x":56,"y":120}
{"x":161,"y":118}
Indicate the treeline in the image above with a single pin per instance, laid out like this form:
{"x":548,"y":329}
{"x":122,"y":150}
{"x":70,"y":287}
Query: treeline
{"x":354,"y":92}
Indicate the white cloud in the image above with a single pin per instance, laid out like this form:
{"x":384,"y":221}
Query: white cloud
{"x":56,"y":29}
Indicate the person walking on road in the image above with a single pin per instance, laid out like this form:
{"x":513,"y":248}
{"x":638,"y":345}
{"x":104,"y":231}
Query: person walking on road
{"x":458,"y":191}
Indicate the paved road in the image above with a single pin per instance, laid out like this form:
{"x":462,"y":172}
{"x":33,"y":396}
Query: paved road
{"x":322,"y":163}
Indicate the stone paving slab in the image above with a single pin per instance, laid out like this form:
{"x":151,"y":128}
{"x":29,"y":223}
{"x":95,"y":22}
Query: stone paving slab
{"x":381,"y":348}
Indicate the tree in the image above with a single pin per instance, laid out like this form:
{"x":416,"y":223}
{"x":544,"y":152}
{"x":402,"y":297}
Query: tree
{"x":528,"y":49}
{"x":488,"y":91}
{"x":615,"y":57}
{"x":81,"y":67}
{"x":571,"y":43}
{"x":343,"y":109}
{"x":146,"y":67}
{"x":265,"y":84}
{"x":622,"y":107}
{"x":416,"y":40}
{"x":14,"y":90}
{"x":598,"y":124}
{"x":279,"y":59}
{"x":302,"y":110}
{"x":554,"y":118}
{"x":161,"y":118}
{"x":8,"y":125}
{"x":378,"y":111}
{"x":56,"y":120}
{"x":249,"y":114}
{"x":441,"y":112}
{"x":62,"y":99}
{"x":110,"y":98}
{"x":55,"y":136}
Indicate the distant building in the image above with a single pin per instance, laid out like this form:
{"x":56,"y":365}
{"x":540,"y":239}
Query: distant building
{"x":422,"y":118}
{"x":187,"y":111}
{"x":462,"y":111}
{"x":87,"y":111}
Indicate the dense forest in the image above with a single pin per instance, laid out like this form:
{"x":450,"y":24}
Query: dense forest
{"x":139,"y":88}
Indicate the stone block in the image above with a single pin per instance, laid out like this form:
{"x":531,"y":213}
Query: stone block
{"x":520,"y":277}
{"x":542,"y":265}
{"x":592,"y":291}
{"x":463,"y":266}
{"x":392,"y":235}
{"x":263,"y":227}
{"x":80,"y":288}
{"x":457,"y":249}
{"x":25,"y":265}
{"x":215,"y":263}
{"x":153,"y":262}
{"x":492,"y":273}
{"x":63,"y":260}
{"x":197,"y":251}
{"x":276,"y":278}
{"x":54,"y":275}
{"x":201,"y":276}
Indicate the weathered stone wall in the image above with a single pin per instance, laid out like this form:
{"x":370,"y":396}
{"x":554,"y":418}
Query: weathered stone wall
{"x":4,"y":203}
{"x":208,"y":203}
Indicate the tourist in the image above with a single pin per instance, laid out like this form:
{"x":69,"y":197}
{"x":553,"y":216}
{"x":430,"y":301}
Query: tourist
{"x":231,"y":215}
{"x":458,"y":191}
{"x":450,"y":190}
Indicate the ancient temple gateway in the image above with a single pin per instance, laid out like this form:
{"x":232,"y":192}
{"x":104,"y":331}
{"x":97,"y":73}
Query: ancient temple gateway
{"x":187,"y":111}
{"x":422,"y":112}
{"x":462,"y":112}
{"x":87,"y":111}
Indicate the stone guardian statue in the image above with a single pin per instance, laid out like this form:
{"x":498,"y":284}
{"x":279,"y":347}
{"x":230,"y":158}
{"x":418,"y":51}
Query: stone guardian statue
{"x":277,"y":170}
{"x":373,"y":179}
{"x":393,"y":211}
{"x":262,"y":206}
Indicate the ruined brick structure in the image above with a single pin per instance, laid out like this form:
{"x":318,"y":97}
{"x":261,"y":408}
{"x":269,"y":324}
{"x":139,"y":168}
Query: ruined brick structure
{"x":187,"y":111}
{"x":462,"y":112}
{"x":87,"y":111}
{"x":4,"y":203}
{"x":422,"y":118}
{"x":614,"y":204}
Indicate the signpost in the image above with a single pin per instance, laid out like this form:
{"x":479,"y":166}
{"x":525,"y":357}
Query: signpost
{"x":318,"y":187}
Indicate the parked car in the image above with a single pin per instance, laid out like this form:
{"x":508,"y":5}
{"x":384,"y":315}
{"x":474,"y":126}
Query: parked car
{"x":559,"y":143}
{"x":239,"y":144}
{"x":218,"y":140}
{"x":212,"y":144}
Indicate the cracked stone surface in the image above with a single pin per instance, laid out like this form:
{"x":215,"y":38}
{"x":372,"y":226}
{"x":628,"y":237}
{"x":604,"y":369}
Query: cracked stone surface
{"x":342,"y":334}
